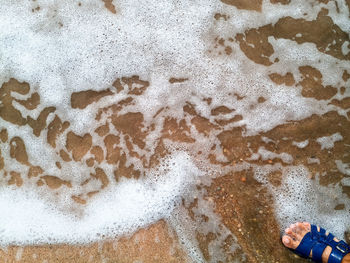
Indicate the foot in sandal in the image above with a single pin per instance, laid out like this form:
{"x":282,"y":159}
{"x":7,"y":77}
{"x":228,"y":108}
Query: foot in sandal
{"x":310,"y":241}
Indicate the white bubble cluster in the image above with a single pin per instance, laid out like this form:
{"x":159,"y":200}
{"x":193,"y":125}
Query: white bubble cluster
{"x":123,"y":208}
{"x":302,"y":199}
{"x":327,"y":142}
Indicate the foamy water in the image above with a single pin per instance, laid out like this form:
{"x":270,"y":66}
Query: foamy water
{"x":152,"y":151}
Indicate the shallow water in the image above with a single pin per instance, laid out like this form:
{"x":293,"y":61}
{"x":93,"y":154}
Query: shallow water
{"x":171,"y":131}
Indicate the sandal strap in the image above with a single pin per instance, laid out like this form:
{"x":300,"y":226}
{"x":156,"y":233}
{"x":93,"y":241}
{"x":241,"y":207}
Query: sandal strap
{"x":338,"y":252}
{"x":306,"y":245}
{"x":316,"y":241}
{"x":317,"y":252}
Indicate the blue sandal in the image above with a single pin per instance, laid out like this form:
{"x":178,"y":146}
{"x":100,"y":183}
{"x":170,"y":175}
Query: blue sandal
{"x":316,"y":241}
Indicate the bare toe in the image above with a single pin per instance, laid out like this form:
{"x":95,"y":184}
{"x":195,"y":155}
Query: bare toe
{"x":290,"y":233}
{"x":307,"y":225}
{"x":293,"y":227}
{"x":295,"y":233}
{"x":300,"y":231}
{"x":289,"y":242}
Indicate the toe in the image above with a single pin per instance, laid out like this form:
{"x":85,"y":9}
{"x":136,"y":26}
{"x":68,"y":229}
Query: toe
{"x":289,"y":242}
{"x":290,"y":233}
{"x":293,"y":227}
{"x":307,"y":225}
{"x":288,"y":230}
{"x":301,"y":230}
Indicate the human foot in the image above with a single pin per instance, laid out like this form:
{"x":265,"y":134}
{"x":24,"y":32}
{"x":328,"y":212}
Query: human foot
{"x":314,"y":242}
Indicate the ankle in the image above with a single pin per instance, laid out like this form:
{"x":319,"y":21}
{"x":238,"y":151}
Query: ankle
{"x":346,"y":259}
{"x":326,"y":253}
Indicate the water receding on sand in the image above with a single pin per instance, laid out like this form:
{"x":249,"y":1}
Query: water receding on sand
{"x":171,"y":131}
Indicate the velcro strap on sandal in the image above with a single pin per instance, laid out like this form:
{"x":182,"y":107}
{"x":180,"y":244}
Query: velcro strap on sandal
{"x":316,"y":241}
{"x":339,"y":250}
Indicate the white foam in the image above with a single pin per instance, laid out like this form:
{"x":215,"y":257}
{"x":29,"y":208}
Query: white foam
{"x":27,"y":219}
{"x":301,"y":144}
{"x":268,"y":155}
{"x":327,"y":142}
{"x":343,"y":167}
{"x":91,"y":49}
{"x":300,"y":198}
{"x":313,"y":160}
{"x":64,"y":48}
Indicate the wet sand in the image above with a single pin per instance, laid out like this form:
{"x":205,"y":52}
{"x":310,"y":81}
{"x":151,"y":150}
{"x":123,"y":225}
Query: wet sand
{"x":245,"y":205}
